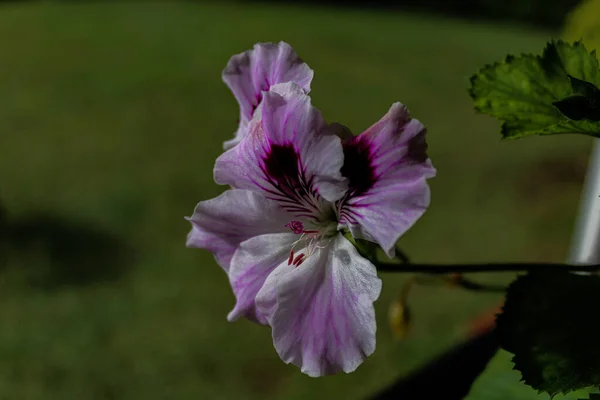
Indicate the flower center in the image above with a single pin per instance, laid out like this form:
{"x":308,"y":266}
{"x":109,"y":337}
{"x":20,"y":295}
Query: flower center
{"x":311,"y":239}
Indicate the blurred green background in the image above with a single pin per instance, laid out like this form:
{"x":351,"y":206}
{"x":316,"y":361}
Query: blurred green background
{"x":111,"y":117}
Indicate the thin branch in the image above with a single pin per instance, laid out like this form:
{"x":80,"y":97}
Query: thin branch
{"x":458,"y":281}
{"x":483,"y":267}
{"x":479,"y":287}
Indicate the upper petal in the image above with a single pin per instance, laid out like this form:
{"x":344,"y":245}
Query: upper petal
{"x":250,"y":73}
{"x":219,"y":225}
{"x":387,"y":168}
{"x":287,"y":154}
{"x":321,"y":311}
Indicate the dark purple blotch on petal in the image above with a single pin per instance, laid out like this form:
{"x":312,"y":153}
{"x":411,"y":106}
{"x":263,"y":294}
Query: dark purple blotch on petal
{"x":283,"y":169}
{"x":417,"y":149}
{"x":281,"y":165}
{"x":358,"y":166}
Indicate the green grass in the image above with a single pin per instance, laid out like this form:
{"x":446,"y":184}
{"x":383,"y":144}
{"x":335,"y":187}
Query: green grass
{"x":112,"y":116}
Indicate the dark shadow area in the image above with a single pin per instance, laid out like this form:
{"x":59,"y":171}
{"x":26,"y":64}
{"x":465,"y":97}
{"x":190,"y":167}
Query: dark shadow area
{"x":53,"y":251}
{"x":538,"y":13}
{"x":551,"y":174}
{"x":3,"y":241}
{"x":448,"y":377}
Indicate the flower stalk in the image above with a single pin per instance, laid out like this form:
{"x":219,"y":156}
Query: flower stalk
{"x":481,"y":267}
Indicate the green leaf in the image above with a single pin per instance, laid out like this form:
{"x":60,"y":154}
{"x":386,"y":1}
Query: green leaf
{"x":550,"y":323}
{"x":577,"y":108}
{"x":500,"y":382}
{"x":586,"y":89}
{"x":523,"y":91}
{"x":585,"y":104}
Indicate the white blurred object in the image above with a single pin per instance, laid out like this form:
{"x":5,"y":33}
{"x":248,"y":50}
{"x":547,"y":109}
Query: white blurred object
{"x":585,"y":245}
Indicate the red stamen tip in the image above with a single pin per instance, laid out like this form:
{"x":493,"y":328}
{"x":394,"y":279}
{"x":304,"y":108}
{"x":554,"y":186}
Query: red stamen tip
{"x":291,"y":257}
{"x":299,"y":259}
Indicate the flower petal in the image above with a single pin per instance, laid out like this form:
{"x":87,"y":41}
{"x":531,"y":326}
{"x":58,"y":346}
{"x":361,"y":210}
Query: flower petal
{"x":387,"y":167}
{"x":321,"y":311}
{"x":219,"y":225}
{"x":287,"y":154}
{"x":250,"y":73}
{"x":252,"y":262}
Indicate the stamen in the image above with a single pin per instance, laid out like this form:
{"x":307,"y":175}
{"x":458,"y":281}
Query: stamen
{"x":298,"y":241}
{"x":299,"y":259}
{"x":311,"y":240}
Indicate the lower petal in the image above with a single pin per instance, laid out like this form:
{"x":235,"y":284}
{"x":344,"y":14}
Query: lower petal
{"x":219,"y":225}
{"x":251,"y":264}
{"x":321,"y":311}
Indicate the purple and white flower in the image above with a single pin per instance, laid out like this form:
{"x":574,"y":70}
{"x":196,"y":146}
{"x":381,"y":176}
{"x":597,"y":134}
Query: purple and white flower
{"x":252,"y":72}
{"x":296,"y":186}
